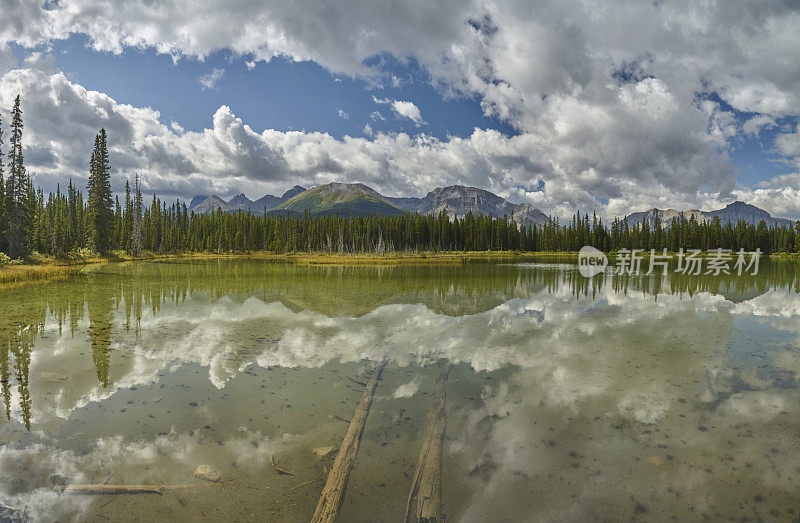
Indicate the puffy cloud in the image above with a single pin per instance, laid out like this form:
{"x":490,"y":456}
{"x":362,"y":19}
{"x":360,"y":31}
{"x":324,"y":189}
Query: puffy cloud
{"x":209,"y":80}
{"x":407,"y":110}
{"x":402,"y":108}
{"x":788,"y":144}
{"x":41,"y":62}
{"x":754,"y":125}
{"x":509,"y":51}
{"x":339,"y":39}
{"x":7,"y":59}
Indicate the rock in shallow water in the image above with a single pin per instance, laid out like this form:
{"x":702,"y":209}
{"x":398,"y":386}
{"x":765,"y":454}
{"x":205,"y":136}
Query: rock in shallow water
{"x":53,"y":377}
{"x":57,"y":480}
{"x":207,"y":473}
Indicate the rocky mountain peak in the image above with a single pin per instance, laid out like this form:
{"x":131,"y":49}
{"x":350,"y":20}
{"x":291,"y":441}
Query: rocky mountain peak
{"x":294,"y":191}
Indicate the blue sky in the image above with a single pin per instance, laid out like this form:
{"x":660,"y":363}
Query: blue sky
{"x":302,"y":96}
{"x":755,"y":156}
{"x":691,"y":106}
{"x":282,"y":94}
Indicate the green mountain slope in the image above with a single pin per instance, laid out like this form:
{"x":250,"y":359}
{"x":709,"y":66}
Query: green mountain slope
{"x":341,"y":198}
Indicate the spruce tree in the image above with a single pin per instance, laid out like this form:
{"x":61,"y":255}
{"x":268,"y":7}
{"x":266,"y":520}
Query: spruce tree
{"x":2,"y":195}
{"x":136,"y":232}
{"x":127,"y":219}
{"x":18,"y":207}
{"x":101,"y":214}
{"x":117,"y":224}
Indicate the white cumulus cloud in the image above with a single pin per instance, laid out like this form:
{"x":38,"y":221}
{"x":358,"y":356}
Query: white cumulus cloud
{"x":407,"y":110}
{"x":210,"y":80}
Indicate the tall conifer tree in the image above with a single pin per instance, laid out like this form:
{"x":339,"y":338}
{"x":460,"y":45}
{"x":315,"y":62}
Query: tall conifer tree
{"x":2,"y":195}
{"x":136,"y":233}
{"x":127,"y":219}
{"x":18,"y":193}
{"x":101,"y":214}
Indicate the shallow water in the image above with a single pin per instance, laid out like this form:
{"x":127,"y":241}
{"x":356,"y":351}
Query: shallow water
{"x":610,"y":398}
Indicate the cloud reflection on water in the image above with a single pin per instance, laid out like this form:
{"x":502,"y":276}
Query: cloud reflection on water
{"x":589,"y":386}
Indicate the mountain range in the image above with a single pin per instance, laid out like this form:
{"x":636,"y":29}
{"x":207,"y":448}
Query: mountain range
{"x":455,"y":200}
{"x":206,"y":204}
{"x":731,"y":213}
{"x":458,"y":200}
{"x":359,"y":199}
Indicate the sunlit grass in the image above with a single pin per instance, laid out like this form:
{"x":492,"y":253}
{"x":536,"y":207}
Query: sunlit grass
{"x":40,"y":268}
{"x":11,"y":274}
{"x":425,"y":258}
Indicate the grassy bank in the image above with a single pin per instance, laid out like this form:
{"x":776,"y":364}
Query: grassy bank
{"x":14,"y":274}
{"x":48,"y":269}
{"x":417,"y":258}
{"x":45,"y":269}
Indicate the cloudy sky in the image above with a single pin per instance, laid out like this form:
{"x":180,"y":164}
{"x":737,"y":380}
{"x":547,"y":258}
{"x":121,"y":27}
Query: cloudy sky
{"x":615,"y":106}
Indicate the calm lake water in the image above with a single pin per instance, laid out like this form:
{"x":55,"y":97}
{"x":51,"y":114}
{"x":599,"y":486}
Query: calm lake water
{"x":569,"y":398}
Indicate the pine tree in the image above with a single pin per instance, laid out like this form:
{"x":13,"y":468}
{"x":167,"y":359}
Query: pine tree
{"x":18,"y":207}
{"x":101,"y":214}
{"x":136,"y":233}
{"x":127,"y":219}
{"x":2,"y":195}
{"x":41,"y":226}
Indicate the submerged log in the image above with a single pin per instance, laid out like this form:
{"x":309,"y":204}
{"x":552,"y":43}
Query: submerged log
{"x":102,"y":488}
{"x":331,"y":498}
{"x":425,"y":498}
{"x":277,"y":468}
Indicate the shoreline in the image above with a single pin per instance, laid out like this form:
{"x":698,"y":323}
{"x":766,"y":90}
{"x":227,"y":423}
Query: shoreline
{"x":60,"y":269}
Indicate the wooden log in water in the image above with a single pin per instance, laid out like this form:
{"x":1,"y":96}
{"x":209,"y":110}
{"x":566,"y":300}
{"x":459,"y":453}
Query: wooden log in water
{"x":425,"y":498}
{"x":102,"y":488}
{"x":332,"y":494}
{"x":277,"y":468}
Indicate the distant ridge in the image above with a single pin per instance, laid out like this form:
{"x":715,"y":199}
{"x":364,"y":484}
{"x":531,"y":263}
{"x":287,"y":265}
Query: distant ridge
{"x":197,"y":200}
{"x":454,"y":200}
{"x":241,"y":202}
{"x":294,"y":191}
{"x":210,"y":205}
{"x":360,"y":199}
{"x":458,"y":200}
{"x":203,"y":204}
{"x":267,"y":201}
{"x":342,"y":199}
{"x":731,"y":213}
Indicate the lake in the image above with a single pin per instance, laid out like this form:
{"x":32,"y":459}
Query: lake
{"x":615,"y":397}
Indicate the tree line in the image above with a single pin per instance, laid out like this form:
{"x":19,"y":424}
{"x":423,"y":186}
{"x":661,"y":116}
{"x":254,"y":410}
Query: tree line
{"x":66,"y":222}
